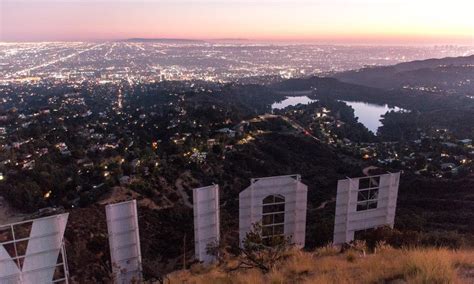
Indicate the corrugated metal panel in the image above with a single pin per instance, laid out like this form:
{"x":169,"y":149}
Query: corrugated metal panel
{"x":44,"y":245}
{"x":295,"y":194}
{"x":206,"y":220}
{"x":348,"y":220}
{"x":124,"y":241}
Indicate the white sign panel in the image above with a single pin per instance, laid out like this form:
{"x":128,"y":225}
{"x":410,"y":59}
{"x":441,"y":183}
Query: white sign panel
{"x":279,"y":204}
{"x":364,"y":203}
{"x":29,"y":251}
{"x":124,"y":241}
{"x":206,"y":220}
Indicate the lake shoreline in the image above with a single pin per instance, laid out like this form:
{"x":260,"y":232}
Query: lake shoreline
{"x":369,"y":114}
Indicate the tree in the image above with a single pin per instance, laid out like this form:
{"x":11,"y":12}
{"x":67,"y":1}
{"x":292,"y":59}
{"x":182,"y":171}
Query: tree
{"x":261,"y":252}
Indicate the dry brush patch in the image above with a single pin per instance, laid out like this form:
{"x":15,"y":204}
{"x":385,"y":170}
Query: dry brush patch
{"x":427,"y":265}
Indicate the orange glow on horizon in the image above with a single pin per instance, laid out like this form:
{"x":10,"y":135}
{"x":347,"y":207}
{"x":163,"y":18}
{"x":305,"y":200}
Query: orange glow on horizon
{"x":338,"y":21}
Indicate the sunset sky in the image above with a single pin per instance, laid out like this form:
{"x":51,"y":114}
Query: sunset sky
{"x":322,"y":21}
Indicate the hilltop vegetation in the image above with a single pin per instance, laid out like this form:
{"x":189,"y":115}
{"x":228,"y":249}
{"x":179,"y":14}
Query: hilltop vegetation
{"x":329,"y":265}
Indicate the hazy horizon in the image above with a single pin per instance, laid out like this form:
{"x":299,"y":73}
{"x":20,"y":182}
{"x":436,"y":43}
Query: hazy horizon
{"x":393,"y":22}
{"x":249,"y":41}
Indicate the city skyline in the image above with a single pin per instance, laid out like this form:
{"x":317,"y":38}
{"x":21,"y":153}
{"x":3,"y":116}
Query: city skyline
{"x":357,"y":22}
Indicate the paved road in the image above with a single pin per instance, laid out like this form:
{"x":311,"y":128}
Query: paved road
{"x":62,"y":59}
{"x":299,"y":127}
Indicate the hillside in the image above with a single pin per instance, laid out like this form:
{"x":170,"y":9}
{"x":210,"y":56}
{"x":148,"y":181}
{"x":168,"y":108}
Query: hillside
{"x":277,"y":150}
{"x":331,"y":88}
{"x":449,"y":75}
{"x":328,"y":265}
{"x":167,"y":140}
{"x":350,"y":89}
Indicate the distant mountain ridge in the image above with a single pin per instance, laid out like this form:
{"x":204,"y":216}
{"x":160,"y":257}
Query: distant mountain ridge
{"x":450,"y":75}
{"x":435,"y":62}
{"x":165,"y":40}
{"x":332,"y":88}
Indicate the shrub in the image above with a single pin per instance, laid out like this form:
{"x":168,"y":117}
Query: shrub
{"x":263,"y":253}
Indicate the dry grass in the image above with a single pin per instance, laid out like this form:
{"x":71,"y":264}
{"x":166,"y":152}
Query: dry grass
{"x":325,"y":265}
